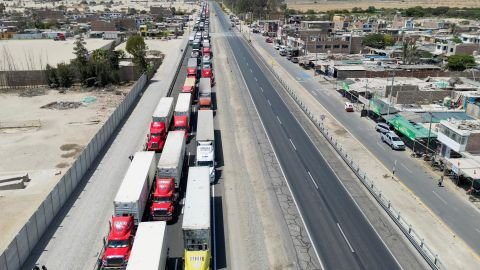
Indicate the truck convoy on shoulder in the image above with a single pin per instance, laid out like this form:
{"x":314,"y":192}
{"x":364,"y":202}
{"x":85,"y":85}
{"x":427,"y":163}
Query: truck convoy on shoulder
{"x":149,"y":251}
{"x":169,"y":172}
{"x":196,"y":220}
{"x":134,"y":241}
{"x":181,"y":115}
{"x":159,"y":126}
{"x":128,"y":207}
{"x":206,"y":142}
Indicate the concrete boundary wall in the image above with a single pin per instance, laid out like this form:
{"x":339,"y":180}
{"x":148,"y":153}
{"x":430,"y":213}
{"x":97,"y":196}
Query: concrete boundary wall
{"x":19,"y":249}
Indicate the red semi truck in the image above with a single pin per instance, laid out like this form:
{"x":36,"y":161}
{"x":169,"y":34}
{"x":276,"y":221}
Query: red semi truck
{"x":192,"y":66}
{"x":205,"y":94}
{"x":181,"y":114}
{"x":169,"y":172}
{"x":189,"y":86}
{"x":129,"y":205}
{"x":159,"y":126}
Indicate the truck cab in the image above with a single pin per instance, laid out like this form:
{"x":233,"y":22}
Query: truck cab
{"x":119,"y":243}
{"x":157,"y":136}
{"x":206,"y":157}
{"x":181,"y":115}
{"x":163,"y":199}
{"x":159,"y":125}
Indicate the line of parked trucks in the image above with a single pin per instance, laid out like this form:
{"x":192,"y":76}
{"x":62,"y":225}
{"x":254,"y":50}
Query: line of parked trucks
{"x":148,"y":196}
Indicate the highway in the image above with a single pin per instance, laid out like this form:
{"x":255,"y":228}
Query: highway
{"x":460,"y":215}
{"x":340,"y":232}
{"x":74,"y":239}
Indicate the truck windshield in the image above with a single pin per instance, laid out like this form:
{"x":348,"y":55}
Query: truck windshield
{"x":208,"y":163}
{"x":117,"y":243}
{"x":161,"y":199}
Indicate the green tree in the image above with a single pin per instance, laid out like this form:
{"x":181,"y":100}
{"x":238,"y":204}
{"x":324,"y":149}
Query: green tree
{"x":456,"y":39}
{"x":52,"y":78}
{"x":375,"y":40}
{"x":65,"y":75}
{"x":371,"y":9}
{"x":81,"y":58}
{"x":410,"y":53}
{"x":80,"y":51}
{"x":460,"y":62}
{"x":138,"y":49}
{"x":2,"y":8}
{"x":388,"y":40}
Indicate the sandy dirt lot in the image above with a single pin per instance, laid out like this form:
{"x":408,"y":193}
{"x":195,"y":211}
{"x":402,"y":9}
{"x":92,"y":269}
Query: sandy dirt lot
{"x":36,"y":54}
{"x":322,"y":5}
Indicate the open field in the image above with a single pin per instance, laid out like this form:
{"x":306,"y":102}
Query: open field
{"x":322,"y":5}
{"x":35,"y":54}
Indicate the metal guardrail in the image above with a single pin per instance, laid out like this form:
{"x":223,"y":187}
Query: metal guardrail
{"x":417,"y":241}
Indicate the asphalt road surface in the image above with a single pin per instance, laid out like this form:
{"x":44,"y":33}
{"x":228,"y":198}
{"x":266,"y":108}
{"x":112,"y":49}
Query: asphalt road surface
{"x":341,"y":234}
{"x":461,"y":216}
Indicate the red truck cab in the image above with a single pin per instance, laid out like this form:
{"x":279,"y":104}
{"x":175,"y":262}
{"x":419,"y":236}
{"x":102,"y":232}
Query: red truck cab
{"x":164,"y":199}
{"x":156,"y":138}
{"x":208,"y":73}
{"x":119,"y":243}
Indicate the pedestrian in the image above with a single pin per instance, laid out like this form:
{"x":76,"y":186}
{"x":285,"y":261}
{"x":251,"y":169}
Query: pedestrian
{"x":130,"y":157}
{"x":44,"y":267}
{"x":440,"y":181}
{"x":36,"y":267}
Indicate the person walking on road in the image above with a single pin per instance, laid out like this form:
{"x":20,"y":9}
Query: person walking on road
{"x":440,"y":181}
{"x":130,"y":157}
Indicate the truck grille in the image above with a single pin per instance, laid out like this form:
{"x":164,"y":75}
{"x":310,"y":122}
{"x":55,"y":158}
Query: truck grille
{"x":160,"y":213}
{"x":154,"y":145}
{"x":115,"y":261}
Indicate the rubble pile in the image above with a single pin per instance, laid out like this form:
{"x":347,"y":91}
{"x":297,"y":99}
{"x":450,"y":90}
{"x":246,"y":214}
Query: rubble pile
{"x":62,"y":105}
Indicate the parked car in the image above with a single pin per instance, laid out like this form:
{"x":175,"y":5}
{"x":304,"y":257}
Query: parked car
{"x":382,"y":127}
{"x":348,"y":107}
{"x":276,"y":46}
{"x":283,"y":53}
{"x":295,"y":60}
{"x":269,"y":40}
{"x":391,"y":139}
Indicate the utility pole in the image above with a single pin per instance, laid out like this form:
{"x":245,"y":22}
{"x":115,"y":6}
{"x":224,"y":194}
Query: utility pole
{"x":429,"y":130}
{"x":391,"y":93}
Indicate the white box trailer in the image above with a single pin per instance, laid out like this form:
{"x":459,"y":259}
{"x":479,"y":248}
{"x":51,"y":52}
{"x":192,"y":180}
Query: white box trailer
{"x":133,"y":194}
{"x":164,"y":111}
{"x":149,"y":251}
{"x":206,"y":142}
{"x":170,"y":164}
{"x":196,"y":215}
{"x":183,"y":106}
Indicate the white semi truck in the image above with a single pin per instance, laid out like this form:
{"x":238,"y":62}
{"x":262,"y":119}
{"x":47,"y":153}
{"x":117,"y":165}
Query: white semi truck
{"x":133,"y":194}
{"x":206,"y":142}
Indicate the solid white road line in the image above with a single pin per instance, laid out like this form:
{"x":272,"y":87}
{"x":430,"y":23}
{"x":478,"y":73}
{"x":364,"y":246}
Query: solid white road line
{"x":346,"y":240}
{"x":440,"y":198}
{"x":293,"y":144}
{"x":213,"y":232}
{"x":311,"y":177}
{"x":279,"y":120}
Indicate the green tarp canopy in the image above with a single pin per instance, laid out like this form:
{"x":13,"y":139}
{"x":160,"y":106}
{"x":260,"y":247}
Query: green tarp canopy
{"x":379,"y":107}
{"x":409,"y":129}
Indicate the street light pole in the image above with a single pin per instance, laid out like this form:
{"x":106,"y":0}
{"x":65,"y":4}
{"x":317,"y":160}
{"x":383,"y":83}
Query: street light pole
{"x":429,"y":130}
{"x":391,"y":93}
